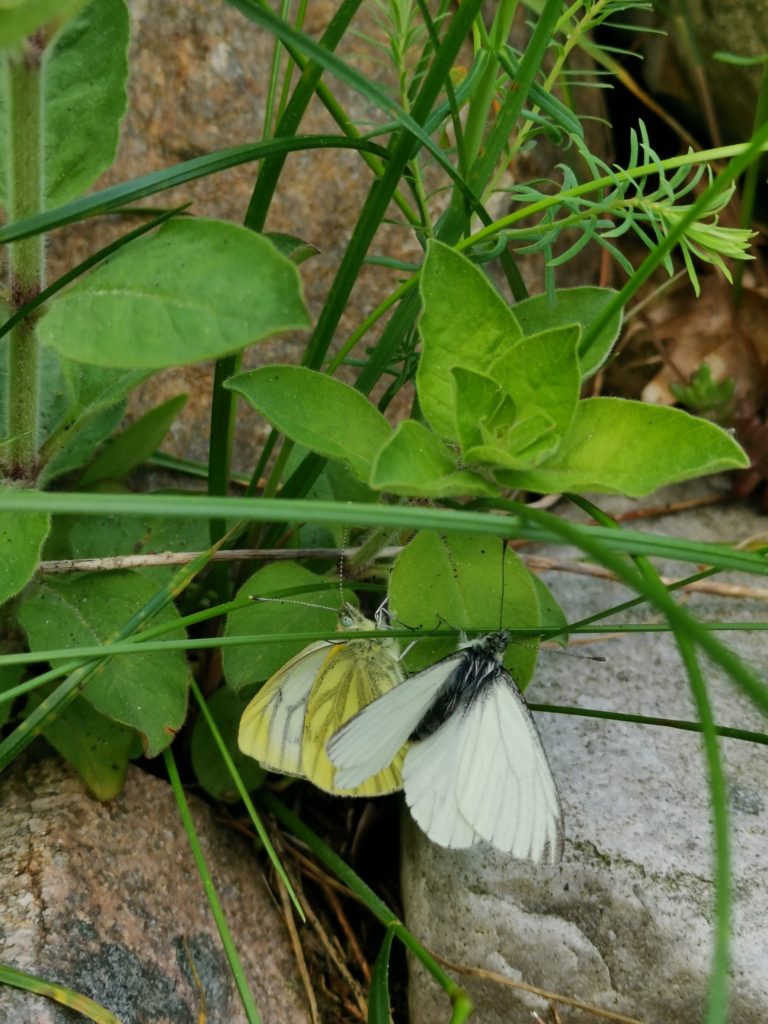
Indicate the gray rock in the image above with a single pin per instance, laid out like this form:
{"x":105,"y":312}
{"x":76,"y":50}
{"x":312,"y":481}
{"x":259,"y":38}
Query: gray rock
{"x":105,"y":899}
{"x":625,"y":921}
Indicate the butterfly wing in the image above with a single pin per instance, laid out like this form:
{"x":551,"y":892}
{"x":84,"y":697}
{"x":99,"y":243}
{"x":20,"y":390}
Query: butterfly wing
{"x":430,"y":781}
{"x":272,"y":726}
{"x":505,"y":789}
{"x":353,"y":677}
{"x":369,"y":741}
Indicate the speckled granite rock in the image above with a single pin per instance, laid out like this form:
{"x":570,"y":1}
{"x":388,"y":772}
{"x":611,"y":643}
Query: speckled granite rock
{"x":624,"y":922}
{"x":105,"y":899}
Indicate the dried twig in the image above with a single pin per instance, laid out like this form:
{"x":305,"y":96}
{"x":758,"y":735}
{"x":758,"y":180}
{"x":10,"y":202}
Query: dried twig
{"x":552,"y":997}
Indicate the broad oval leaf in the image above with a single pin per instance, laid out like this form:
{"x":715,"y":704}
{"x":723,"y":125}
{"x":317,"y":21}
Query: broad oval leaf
{"x":253,"y":663}
{"x":414,"y":461}
{"x":197,"y":289}
{"x":147,"y":692}
{"x":580,"y":306}
{"x":97,"y":748}
{"x":464,"y":581}
{"x":21,"y":539}
{"x":319,"y":412}
{"x":616,"y":446}
{"x":465,"y":323}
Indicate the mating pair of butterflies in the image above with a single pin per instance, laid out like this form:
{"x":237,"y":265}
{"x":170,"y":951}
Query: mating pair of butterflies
{"x":457,"y":738}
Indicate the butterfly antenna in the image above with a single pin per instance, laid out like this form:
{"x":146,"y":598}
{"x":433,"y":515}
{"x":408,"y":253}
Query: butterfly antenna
{"x":344,"y":540}
{"x":289,"y":600}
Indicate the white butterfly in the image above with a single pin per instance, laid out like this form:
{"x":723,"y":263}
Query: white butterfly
{"x":476,"y":769}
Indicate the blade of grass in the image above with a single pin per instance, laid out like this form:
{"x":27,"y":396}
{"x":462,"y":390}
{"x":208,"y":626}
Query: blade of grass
{"x":110,"y":199}
{"x":747,"y":735}
{"x":58,"y":993}
{"x":524,"y":523}
{"x":245,"y":797}
{"x":235,"y":965}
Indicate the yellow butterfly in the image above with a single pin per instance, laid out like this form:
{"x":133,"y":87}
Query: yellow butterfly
{"x":291,"y":719}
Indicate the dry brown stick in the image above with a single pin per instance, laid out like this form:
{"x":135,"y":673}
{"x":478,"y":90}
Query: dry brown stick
{"x":553,"y":997}
{"x":298,"y":951}
{"x":116,"y":562}
{"x":349,"y":934}
{"x":539,"y":564}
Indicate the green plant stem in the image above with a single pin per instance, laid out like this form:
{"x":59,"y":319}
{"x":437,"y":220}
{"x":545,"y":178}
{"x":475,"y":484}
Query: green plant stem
{"x":26,"y":259}
{"x":249,"y":1006}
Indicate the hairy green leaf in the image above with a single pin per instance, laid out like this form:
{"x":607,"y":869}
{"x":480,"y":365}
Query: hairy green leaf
{"x":21,"y":540}
{"x":317,"y":411}
{"x":197,"y":289}
{"x":464,"y":581}
{"x":465,"y":323}
{"x":616,"y":446}
{"x":213,"y":775}
{"x":574,"y":306}
{"x":414,"y":461}
{"x":147,"y":692}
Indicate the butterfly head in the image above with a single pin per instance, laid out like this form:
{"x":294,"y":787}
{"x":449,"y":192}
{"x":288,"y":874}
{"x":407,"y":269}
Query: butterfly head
{"x":494,"y":644}
{"x":351,"y":618}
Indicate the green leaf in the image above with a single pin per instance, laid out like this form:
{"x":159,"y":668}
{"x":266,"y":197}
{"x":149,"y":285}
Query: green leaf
{"x":85,"y":99}
{"x":574,"y":306}
{"x":317,"y":411}
{"x":541,"y":375}
{"x":20,"y":18}
{"x":21,"y":540}
{"x":106,"y":536}
{"x":414,"y":461}
{"x":197,"y":289}
{"x":81,"y":406}
{"x":213,"y":775}
{"x":254,"y":663}
{"x":465,"y":323}
{"x":135,"y":444}
{"x":379,"y":1009}
{"x":147,"y":692}
{"x":552,"y":615}
{"x":96,"y":747}
{"x":616,"y":446}
{"x":460,"y":581}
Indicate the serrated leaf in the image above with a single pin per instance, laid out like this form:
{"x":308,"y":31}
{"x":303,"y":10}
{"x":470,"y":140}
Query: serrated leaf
{"x":416,"y":462}
{"x":573,"y":306}
{"x":465,"y":323}
{"x":460,"y":581}
{"x":196,"y":289}
{"x":213,"y":775}
{"x":147,"y":692}
{"x":254,"y":663}
{"x":317,"y":411}
{"x":135,"y":444}
{"x":22,"y":536}
{"x":616,"y":446}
